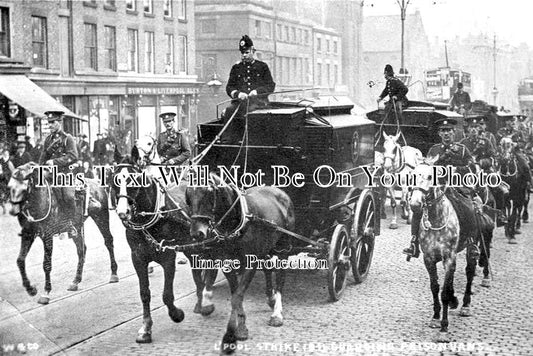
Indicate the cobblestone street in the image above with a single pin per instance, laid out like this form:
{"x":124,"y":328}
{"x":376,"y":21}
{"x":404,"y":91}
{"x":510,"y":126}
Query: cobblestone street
{"x":388,"y":314}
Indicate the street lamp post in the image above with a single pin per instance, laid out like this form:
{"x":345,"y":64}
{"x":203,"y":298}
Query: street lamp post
{"x":403,"y":74}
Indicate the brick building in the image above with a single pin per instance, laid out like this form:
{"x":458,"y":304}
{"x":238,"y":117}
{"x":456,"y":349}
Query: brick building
{"x":116,"y":65}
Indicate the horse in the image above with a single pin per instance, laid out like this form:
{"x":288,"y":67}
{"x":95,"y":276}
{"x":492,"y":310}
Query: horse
{"x":513,"y":171}
{"x":440,"y":240}
{"x":489,"y":208}
{"x":397,"y":161}
{"x":157,"y":225}
{"x":250,"y":224}
{"x":38,"y":213}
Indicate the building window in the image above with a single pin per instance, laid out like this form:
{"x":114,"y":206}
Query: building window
{"x":279,"y":32}
{"x":149,"y":52}
{"x":293,"y":34}
{"x":91,"y":57}
{"x":148,"y":6}
{"x":335,"y":74}
{"x":110,"y":3}
{"x":268,"y":30}
{"x":182,"y":8}
{"x":5,"y":36}
{"x":110,"y":48}
{"x":169,"y":55}
{"x":286,"y":33}
{"x":209,"y":26}
{"x":39,"y":41}
{"x":319,"y":44}
{"x":307,"y":72}
{"x":328,"y":46}
{"x":167,"y":8}
{"x":131,"y":5}
{"x":319,"y":74}
{"x":133,"y":50}
{"x":335,"y":49}
{"x":328,"y":73}
{"x":306,"y":37}
{"x":257,"y":28}
{"x":182,"y":54}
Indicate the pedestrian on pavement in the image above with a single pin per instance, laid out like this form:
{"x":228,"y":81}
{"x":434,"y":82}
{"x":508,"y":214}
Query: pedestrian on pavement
{"x":21,"y":156}
{"x":99,"y":150}
{"x":6,"y":169}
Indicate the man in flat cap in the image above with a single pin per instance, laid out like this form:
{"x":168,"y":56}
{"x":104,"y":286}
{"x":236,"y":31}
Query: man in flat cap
{"x":460,"y":101}
{"x":249,"y":83}
{"x":396,"y":90}
{"x":60,"y":150}
{"x":458,"y":156}
{"x":99,"y":150}
{"x":21,"y":156}
{"x":172,"y":145}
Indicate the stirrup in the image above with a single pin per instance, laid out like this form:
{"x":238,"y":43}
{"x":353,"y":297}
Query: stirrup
{"x":412,"y":251}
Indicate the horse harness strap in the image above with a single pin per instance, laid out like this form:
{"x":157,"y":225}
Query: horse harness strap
{"x":27,"y":214}
{"x":245,"y":217}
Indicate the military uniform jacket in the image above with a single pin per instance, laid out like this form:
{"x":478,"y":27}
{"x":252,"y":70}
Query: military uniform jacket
{"x":173,"y":145}
{"x":455,"y":154}
{"x":489,"y":136}
{"x":245,"y":77}
{"x":395,"y":87}
{"x":61,"y":148}
{"x":479,"y":147}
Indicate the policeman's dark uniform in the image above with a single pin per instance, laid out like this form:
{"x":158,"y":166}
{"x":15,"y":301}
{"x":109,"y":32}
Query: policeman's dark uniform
{"x":461,"y":99}
{"x":394,"y":87}
{"x":458,"y":156}
{"x":60,"y":147}
{"x":172,"y":146}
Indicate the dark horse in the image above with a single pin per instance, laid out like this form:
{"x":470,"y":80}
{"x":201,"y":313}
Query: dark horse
{"x":37,"y":210}
{"x":157,"y":225}
{"x":441,"y":240}
{"x":249,"y":223}
{"x":514,"y":172}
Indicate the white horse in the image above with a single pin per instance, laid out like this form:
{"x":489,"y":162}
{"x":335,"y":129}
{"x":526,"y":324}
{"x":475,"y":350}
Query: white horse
{"x":397,"y":161}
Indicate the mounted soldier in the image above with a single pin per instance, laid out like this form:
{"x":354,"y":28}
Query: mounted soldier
{"x":172,"y":145}
{"x":457,"y":155}
{"x":60,"y":150}
{"x":518,"y":137}
{"x":483,"y":132}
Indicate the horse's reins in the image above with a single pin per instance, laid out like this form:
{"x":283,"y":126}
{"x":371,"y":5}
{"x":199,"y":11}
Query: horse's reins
{"x":24,"y":211}
{"x":426,"y":223}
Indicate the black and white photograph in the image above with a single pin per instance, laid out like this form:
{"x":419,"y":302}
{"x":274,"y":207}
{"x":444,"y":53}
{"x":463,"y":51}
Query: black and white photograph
{"x":266,"y":177}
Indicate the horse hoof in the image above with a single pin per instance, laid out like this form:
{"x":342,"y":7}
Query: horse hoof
{"x":465,"y":311}
{"x":454,"y":303}
{"x":242,"y":333}
{"x":485,"y":282}
{"x":229,"y":345}
{"x":73,"y":287}
{"x":443,"y":337}
{"x":197,"y":308}
{"x":518,"y":232}
{"x":32,"y":291}
{"x":207,"y":310}
{"x":434,"y":324}
{"x":113,"y":279}
{"x":512,"y":241}
{"x":144,"y":338}
{"x":271,"y":302}
{"x":275,"y":321}
{"x":150,"y":269}
{"x":177,"y":315}
{"x":393,"y":226}
{"x":44,"y":300}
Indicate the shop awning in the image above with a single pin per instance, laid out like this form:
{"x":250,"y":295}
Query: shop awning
{"x":30,"y":96}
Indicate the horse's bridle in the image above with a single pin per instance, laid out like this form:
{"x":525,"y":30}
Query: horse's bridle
{"x":150,"y":155}
{"x":23,"y":202}
{"x":392,"y":156}
{"x":512,"y":158}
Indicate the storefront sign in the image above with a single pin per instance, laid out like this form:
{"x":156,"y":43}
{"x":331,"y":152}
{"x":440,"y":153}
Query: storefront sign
{"x":160,"y":91}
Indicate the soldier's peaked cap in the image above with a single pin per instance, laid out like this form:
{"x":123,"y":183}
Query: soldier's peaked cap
{"x":473,"y":120}
{"x":167,"y":116}
{"x":446,"y":123}
{"x":508,"y":118}
{"x":245,"y":43}
{"x":54,"y":115}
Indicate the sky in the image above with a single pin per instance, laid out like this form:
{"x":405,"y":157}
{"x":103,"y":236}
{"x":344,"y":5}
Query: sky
{"x":510,"y":20}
